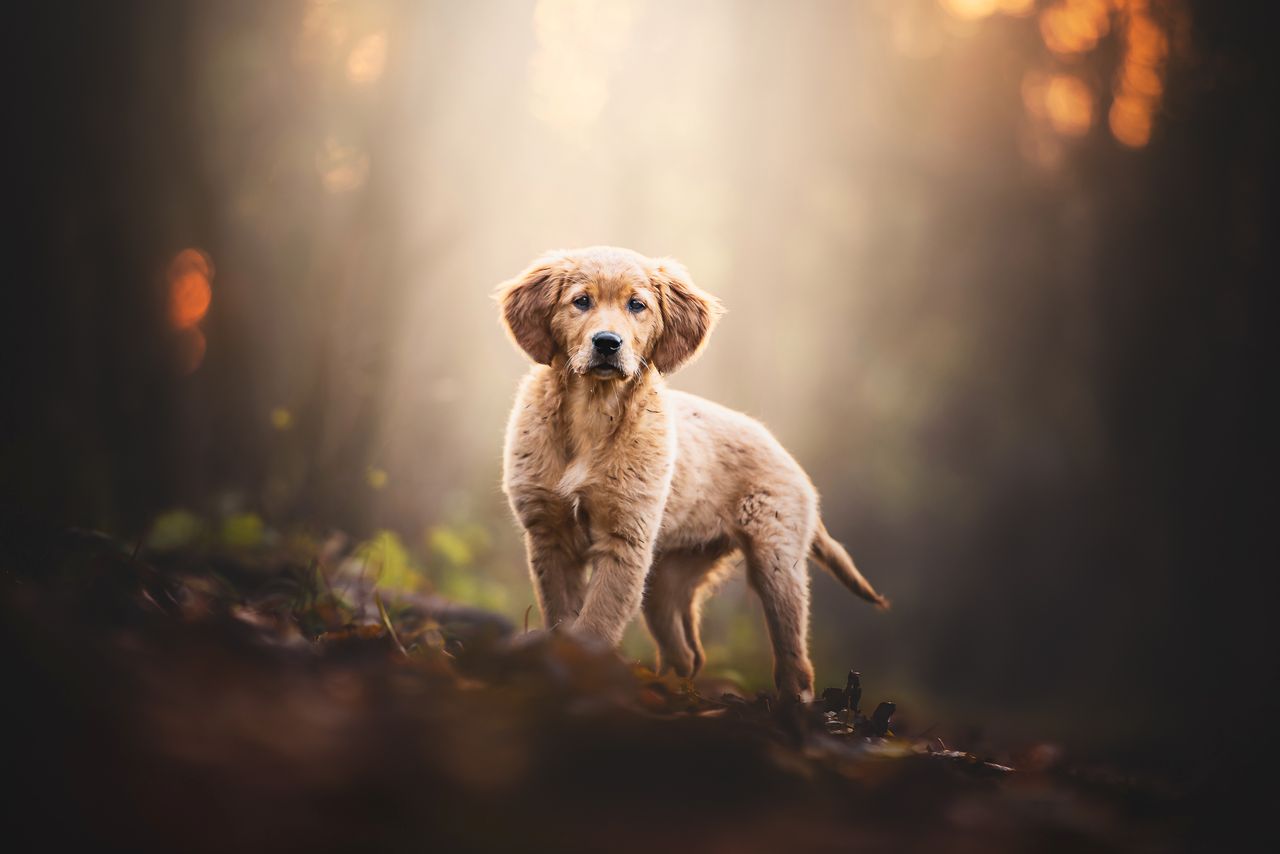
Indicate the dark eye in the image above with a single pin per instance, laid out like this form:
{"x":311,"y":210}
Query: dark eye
{"x":636,"y":306}
{"x":583,"y":302}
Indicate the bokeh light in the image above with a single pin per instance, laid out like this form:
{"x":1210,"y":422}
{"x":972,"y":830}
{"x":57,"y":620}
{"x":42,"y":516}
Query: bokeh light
{"x":190,"y":290}
{"x":579,"y":46}
{"x":1068,"y":104}
{"x":1061,"y":97}
{"x":1075,"y":26}
{"x":970,"y":9}
{"x":1130,"y":121}
{"x":1139,"y":84}
{"x":368,"y":59}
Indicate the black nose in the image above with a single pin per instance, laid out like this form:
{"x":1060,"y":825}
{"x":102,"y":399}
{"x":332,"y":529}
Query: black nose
{"x":607,"y":342}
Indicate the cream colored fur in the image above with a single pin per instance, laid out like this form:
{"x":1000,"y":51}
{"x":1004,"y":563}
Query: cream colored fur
{"x":635,"y":497}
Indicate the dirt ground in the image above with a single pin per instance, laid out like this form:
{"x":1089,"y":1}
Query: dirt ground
{"x":257,"y":703}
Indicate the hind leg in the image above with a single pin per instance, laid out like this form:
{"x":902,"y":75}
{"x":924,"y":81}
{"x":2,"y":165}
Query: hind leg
{"x":777,"y":546}
{"x":670,"y":608}
{"x":781,"y":579}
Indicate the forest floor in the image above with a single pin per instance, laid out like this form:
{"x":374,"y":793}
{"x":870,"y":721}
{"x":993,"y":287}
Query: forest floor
{"x":257,"y":702}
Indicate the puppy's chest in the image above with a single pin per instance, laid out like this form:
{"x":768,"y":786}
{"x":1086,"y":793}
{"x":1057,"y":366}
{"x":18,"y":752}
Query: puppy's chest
{"x":575,"y":481}
{"x":592,"y":457}
{"x":609,"y":475}
{"x":595,"y":478}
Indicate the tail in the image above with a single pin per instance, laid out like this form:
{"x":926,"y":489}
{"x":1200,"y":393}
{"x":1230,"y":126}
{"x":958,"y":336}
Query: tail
{"x":834,"y":559}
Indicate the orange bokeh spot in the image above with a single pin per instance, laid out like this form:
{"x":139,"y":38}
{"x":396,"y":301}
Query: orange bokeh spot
{"x":1145,"y":42}
{"x":1140,"y":80}
{"x":1130,"y":120}
{"x":1139,"y":85}
{"x":189,"y":288}
{"x":970,"y":10}
{"x":1068,"y":104}
{"x":189,"y":298}
{"x":1075,"y":26}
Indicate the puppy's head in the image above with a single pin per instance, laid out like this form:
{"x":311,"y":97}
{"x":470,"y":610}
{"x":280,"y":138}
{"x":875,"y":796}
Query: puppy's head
{"x":609,"y":312}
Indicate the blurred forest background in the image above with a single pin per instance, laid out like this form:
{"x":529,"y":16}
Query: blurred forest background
{"x":994,"y":271}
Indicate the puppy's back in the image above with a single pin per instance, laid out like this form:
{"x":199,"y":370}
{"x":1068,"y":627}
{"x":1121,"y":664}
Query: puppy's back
{"x":723,"y":456}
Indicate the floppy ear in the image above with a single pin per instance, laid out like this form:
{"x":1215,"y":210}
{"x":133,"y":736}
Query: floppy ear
{"x":688,"y":313}
{"x":527,"y":302}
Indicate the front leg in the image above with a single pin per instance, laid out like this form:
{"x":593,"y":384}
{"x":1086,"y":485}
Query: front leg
{"x":621,"y":552}
{"x":558,"y":569}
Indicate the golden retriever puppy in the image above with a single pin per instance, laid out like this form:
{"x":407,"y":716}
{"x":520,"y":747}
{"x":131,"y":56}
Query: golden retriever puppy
{"x":652,"y":490}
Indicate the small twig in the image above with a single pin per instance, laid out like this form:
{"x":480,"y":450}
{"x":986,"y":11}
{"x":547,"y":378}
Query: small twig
{"x":526,"y":619}
{"x":386,"y":621}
